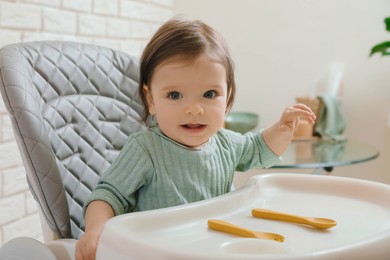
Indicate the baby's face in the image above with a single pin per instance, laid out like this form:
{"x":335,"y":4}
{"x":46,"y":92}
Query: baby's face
{"x":188,"y":99}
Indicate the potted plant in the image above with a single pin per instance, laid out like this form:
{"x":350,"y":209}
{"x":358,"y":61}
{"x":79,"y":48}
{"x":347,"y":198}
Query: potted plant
{"x":383,"y":47}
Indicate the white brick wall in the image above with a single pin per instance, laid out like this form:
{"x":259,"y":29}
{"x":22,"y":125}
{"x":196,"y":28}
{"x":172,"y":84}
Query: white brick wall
{"x":20,"y":16}
{"x":119,"y":24}
{"x":59,"y":21}
{"x":106,"y":7}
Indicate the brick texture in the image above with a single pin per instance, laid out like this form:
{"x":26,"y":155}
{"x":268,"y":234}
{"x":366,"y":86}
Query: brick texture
{"x":119,"y":24}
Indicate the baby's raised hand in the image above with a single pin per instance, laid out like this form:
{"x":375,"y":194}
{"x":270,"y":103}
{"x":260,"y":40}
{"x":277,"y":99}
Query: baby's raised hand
{"x":292,"y":114}
{"x":279,"y":135}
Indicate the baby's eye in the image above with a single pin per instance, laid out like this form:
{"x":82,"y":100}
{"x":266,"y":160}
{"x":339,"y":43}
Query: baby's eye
{"x":210,"y":94}
{"x":174,"y":95}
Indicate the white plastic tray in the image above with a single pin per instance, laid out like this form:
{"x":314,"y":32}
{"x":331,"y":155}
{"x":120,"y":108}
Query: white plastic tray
{"x":361,"y":209}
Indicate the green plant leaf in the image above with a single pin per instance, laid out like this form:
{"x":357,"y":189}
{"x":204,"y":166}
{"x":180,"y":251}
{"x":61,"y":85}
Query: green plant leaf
{"x":387,"y":22}
{"x":383,"y":48}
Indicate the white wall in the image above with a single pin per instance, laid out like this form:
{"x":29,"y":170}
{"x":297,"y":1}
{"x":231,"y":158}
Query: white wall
{"x":281,"y":47}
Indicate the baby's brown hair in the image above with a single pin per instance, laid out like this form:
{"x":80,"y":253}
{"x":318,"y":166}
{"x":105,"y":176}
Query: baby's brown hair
{"x":186,"y":40}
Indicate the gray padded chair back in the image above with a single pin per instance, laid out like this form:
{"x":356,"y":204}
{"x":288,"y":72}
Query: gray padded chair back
{"x":72,"y":107}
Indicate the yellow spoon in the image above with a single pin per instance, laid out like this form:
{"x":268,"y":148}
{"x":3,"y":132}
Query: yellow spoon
{"x":321,"y":223}
{"x":223,"y":226}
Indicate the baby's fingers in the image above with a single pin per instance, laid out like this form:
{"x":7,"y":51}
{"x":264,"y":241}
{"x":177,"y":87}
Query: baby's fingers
{"x":300,"y":111}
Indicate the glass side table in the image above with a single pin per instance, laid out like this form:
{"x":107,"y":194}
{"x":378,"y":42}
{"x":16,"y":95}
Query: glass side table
{"x":324,"y":156}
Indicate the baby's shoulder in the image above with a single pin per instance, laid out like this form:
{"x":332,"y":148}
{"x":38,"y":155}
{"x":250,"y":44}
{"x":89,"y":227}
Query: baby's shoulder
{"x":236,"y":138}
{"x":227,"y":136}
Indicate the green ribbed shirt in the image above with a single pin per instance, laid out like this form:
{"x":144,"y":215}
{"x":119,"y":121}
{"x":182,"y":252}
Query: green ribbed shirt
{"x":153,"y":171}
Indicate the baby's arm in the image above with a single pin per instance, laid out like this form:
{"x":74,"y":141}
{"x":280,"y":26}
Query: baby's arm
{"x":279,"y":135}
{"x":97,"y":214}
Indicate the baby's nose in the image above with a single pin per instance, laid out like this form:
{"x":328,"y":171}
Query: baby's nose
{"x":194,"y":108}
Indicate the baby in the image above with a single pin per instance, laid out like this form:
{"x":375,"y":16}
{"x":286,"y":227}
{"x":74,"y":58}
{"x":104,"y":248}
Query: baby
{"x":187,"y":87}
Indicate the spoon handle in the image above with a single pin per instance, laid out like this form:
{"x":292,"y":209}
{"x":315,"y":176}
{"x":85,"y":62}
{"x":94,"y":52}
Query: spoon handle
{"x":226,"y":227}
{"x":269,"y":214}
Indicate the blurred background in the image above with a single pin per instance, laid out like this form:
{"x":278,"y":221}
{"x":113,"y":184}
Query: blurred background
{"x":281,"y":49}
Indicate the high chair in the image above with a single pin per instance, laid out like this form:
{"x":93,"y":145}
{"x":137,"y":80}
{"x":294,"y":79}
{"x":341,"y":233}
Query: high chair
{"x":72,"y":106}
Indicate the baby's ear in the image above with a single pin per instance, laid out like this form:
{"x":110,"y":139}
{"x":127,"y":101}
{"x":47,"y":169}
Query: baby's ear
{"x":149,"y":99}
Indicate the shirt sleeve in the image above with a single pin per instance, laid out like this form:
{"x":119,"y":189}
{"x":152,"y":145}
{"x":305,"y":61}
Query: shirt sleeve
{"x":252,"y":151}
{"x":119,"y":184}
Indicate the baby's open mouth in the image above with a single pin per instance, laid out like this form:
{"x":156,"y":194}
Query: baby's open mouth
{"x":193,"y":126}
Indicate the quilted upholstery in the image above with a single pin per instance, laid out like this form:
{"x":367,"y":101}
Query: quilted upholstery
{"x":72,"y":106}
